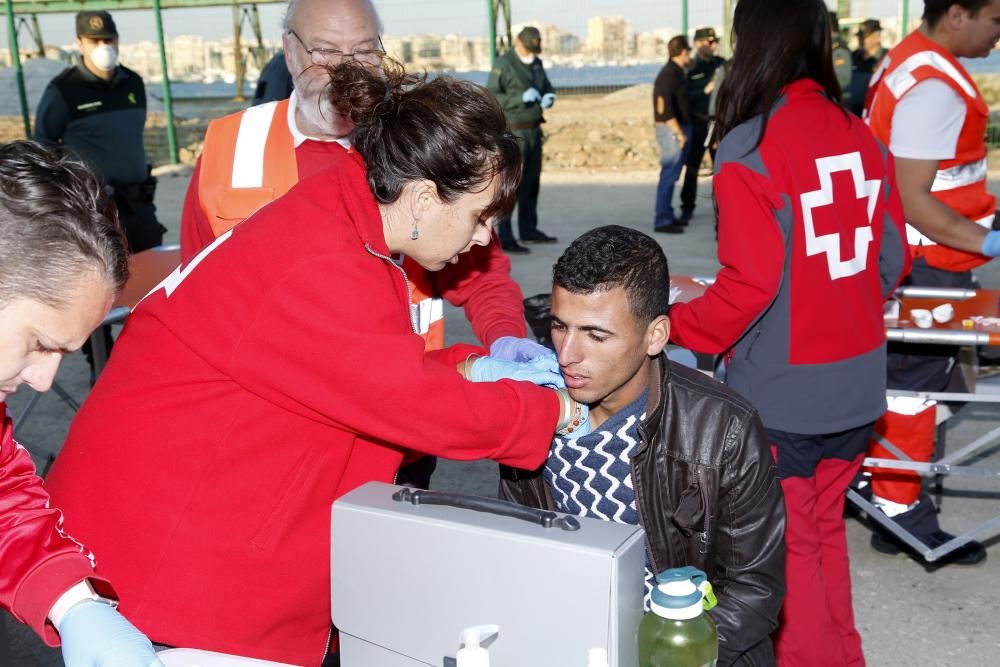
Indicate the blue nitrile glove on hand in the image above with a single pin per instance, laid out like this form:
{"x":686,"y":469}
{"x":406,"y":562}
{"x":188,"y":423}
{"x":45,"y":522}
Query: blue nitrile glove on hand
{"x":511,"y":348}
{"x":991,"y":244}
{"x":548,"y":99}
{"x":94,"y":634}
{"x":530,"y":96}
{"x":539,"y":371}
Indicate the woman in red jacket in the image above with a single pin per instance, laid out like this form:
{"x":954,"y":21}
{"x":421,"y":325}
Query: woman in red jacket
{"x":62,"y":260}
{"x":279,"y":369}
{"x":811,"y":243}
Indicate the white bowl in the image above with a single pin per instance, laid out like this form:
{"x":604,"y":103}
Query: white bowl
{"x":922,"y":318}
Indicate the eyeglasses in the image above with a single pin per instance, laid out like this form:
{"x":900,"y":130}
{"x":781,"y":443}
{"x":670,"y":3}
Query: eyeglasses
{"x":326,"y":57}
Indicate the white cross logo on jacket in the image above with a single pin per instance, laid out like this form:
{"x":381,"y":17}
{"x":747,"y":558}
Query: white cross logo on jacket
{"x":830,"y":243}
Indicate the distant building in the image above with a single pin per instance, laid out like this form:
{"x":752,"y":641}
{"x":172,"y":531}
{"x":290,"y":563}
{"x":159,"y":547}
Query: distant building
{"x":606,"y":37}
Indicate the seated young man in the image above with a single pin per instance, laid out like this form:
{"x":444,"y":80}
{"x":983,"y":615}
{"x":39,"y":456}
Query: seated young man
{"x":669,"y":448}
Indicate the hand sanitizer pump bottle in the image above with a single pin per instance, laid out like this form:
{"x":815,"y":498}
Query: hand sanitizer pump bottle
{"x":474,"y":655}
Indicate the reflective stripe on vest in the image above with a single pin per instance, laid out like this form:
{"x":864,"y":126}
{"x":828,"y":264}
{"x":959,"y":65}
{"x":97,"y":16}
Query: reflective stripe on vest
{"x":901,"y":79}
{"x":959,"y":176}
{"x":960,"y":182}
{"x":248,"y":161}
{"x":426,"y":309}
{"x":915,"y":238}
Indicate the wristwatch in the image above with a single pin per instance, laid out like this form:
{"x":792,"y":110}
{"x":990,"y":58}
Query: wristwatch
{"x":74,"y":595}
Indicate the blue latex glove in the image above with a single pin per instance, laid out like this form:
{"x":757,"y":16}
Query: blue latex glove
{"x":539,"y":371}
{"x":991,"y":244}
{"x":530,"y":96}
{"x":94,"y":634}
{"x":583,"y":428}
{"x":511,"y":348}
{"x":548,"y":99}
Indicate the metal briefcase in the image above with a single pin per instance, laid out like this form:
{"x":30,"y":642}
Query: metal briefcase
{"x":411,"y":569}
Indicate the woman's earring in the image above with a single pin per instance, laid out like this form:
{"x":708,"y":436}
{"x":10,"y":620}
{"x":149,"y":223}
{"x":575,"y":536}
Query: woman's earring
{"x":415,"y":234}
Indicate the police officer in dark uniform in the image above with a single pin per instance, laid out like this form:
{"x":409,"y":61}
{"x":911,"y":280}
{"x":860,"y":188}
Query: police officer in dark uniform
{"x":864,"y":60}
{"x":519,"y":83}
{"x":700,"y":84}
{"x":98,"y":109}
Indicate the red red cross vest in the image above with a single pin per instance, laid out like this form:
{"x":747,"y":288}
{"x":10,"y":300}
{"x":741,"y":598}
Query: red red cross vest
{"x":960,"y":183}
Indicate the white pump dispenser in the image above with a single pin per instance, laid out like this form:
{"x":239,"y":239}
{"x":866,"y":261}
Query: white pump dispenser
{"x":474,"y":655}
{"x":598,"y":657}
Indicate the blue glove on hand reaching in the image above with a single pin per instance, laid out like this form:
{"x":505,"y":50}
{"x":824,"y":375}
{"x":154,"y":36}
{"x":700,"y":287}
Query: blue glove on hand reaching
{"x":511,"y":348}
{"x":539,"y":371}
{"x":548,"y":99}
{"x":531,"y":95}
{"x":991,"y":244}
{"x":94,"y":634}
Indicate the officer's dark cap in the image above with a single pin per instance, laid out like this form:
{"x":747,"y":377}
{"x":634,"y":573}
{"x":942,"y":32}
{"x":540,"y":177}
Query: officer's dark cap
{"x":705,"y":33}
{"x":96,"y":25}
{"x":531,"y":39}
{"x":868,"y":27}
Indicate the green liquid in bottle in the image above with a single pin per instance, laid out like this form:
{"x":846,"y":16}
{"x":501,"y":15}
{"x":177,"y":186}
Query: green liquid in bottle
{"x":668,"y":643}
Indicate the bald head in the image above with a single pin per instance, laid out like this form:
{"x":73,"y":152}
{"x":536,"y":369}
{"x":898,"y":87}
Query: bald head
{"x":347,"y":26}
{"x":362,"y":7}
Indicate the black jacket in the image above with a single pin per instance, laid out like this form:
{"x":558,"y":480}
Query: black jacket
{"x":708,"y":495}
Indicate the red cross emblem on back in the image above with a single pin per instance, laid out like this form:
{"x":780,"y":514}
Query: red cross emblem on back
{"x":830,"y":244}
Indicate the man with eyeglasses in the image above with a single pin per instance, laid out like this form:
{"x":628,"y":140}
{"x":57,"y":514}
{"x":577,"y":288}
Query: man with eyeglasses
{"x":252,"y":157}
{"x":700,"y":85}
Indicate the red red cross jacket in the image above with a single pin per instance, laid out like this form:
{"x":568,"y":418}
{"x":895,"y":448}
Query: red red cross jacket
{"x":38,"y":560}
{"x":273,"y":373}
{"x":811,"y":243}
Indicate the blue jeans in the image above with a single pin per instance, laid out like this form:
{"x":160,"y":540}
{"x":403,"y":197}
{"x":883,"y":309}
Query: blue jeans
{"x":672,"y":159}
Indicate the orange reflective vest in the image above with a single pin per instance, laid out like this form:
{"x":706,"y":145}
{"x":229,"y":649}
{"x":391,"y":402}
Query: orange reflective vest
{"x":960,"y":182}
{"x":248,"y":161}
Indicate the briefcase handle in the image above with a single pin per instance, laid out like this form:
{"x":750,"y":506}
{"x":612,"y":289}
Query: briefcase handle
{"x":544,"y":518}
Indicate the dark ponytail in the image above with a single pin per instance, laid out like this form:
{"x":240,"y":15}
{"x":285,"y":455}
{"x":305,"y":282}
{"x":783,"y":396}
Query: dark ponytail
{"x":408,"y":128}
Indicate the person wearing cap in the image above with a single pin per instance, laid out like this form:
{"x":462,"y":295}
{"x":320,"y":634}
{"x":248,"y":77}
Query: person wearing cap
{"x":519,"y":83}
{"x":864,"y":60}
{"x":98,"y":110}
{"x":700,"y":85}
{"x":672,"y":118}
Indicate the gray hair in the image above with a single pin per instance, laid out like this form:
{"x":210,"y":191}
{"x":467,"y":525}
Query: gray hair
{"x":56,"y":225}
{"x":286,"y":23}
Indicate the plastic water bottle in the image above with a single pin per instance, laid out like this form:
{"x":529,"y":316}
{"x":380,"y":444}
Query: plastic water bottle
{"x":676,"y":632}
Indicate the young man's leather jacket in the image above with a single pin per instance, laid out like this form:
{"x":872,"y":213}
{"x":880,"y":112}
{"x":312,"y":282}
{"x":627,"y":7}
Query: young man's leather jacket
{"x":708,"y":495}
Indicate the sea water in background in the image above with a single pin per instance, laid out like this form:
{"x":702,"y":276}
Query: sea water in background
{"x":215,"y":99}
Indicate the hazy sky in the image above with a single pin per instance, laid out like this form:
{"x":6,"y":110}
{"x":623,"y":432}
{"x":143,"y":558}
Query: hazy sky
{"x":410,"y":17}
{"x":401,"y":17}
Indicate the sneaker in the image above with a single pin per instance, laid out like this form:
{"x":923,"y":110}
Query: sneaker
{"x":669,"y":229}
{"x":684,"y":220}
{"x":514,"y":248}
{"x":971,"y":553}
{"x":539,"y":237}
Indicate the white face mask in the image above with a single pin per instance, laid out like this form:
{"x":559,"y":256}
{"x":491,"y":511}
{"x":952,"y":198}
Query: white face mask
{"x":528,"y":59}
{"x":104,"y":57}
